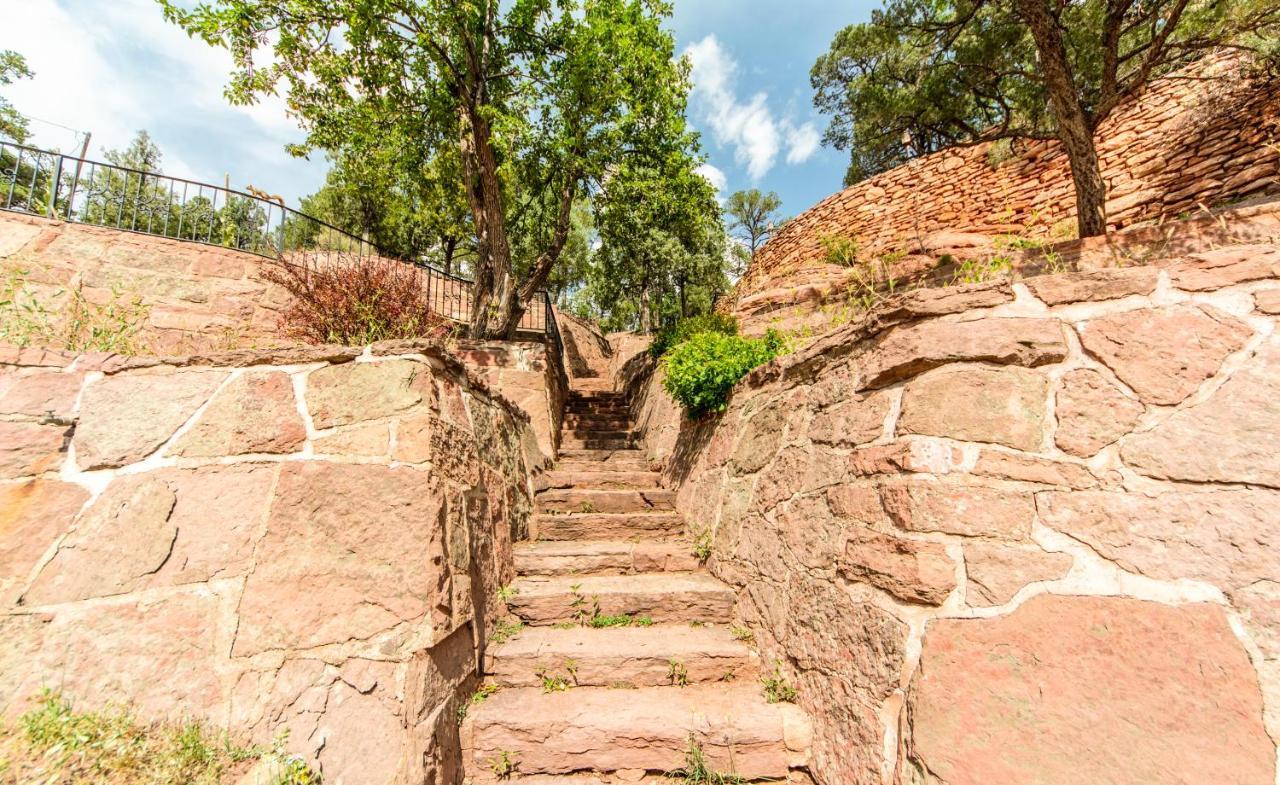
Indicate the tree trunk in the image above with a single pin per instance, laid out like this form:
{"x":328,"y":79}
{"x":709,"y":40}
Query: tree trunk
{"x":450,"y":245}
{"x":494,"y":292}
{"x":646,"y":324}
{"x":1075,"y":126}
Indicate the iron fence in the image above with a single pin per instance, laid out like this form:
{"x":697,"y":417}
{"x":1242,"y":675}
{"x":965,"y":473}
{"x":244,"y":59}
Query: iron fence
{"x":50,"y":184}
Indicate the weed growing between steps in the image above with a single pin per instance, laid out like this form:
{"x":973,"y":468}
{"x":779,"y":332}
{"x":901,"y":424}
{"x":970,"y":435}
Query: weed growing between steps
{"x":677,"y":673}
{"x":702,"y":543}
{"x":507,"y":593}
{"x":742,"y":634}
{"x":697,"y":772}
{"x":54,"y":743}
{"x":776,"y":688}
{"x":505,"y":630}
{"x":554,"y":682}
{"x":477,"y":697}
{"x":602,"y":621}
{"x":503,"y":765}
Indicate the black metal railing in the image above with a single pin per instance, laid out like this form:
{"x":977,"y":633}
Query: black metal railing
{"x":50,"y":184}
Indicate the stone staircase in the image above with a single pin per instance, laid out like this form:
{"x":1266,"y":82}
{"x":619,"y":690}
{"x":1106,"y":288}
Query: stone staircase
{"x":627,"y":656}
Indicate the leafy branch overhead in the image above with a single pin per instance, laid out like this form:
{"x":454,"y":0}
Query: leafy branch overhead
{"x":927,"y":74}
{"x":538,"y":101}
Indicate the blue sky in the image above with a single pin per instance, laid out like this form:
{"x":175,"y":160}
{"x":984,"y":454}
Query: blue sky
{"x":111,"y":68}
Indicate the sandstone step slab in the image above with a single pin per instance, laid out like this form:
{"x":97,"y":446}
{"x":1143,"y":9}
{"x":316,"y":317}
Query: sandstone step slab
{"x":607,"y":526}
{"x":648,"y":729}
{"x":633,"y":464}
{"x":622,"y":657}
{"x":596,"y":480}
{"x":603,"y":557}
{"x":589,"y":500}
{"x":575,"y":455}
{"x":598,"y":434}
{"x":578,"y":443}
{"x":618,"y":408}
{"x":573,"y":421}
{"x":663,"y":597}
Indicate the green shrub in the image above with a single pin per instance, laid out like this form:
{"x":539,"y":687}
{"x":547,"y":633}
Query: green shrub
{"x":670,"y":337}
{"x":703,"y":370}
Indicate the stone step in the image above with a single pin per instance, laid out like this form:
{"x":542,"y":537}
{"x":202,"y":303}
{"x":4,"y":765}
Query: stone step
{"x":579,"y":443}
{"x":671,"y":655}
{"x":602,"y":557}
{"x":598,"y":409}
{"x":668,"y":596}
{"x":607,"y":526}
{"x":602,"y":456}
{"x":619,"y":464}
{"x":589,"y":500}
{"x":597,"y":433}
{"x":598,"y":729}
{"x":598,"y":480}
{"x":594,"y":421}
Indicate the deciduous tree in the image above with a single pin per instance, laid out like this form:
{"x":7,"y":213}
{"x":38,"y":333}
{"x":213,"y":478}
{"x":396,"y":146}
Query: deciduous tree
{"x":753,"y":216}
{"x":925,"y":74}
{"x":547,"y":94}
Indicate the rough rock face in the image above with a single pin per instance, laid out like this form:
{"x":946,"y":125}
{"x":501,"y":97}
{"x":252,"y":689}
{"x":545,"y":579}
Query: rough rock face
{"x":265,"y":572}
{"x":1241,"y":420}
{"x":255,"y":413}
{"x":1092,"y":413}
{"x":125,"y":418}
{"x":1070,"y":506}
{"x":977,"y":404}
{"x":1082,"y":689}
{"x":1165,"y":354}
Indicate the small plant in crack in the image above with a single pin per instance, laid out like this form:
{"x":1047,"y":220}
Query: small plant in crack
{"x":505,"y":630}
{"x":477,"y":697}
{"x":582,"y":609}
{"x":696,"y":770}
{"x":586,"y":507}
{"x":776,"y":688}
{"x":503,"y":765}
{"x":677,"y":673}
{"x":552,"y":682}
{"x":507,"y":593}
{"x":601,"y":621}
{"x":702,"y":543}
{"x":742,"y":634}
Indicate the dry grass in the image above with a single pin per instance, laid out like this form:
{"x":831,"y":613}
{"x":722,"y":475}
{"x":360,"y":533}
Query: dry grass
{"x":53,"y":744}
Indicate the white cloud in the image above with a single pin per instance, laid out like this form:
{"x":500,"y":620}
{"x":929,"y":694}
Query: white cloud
{"x":714,"y":176}
{"x":802,"y":142}
{"x":115,"y":68}
{"x":748,"y":126}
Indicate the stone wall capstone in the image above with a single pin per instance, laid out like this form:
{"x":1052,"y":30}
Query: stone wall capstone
{"x":1018,"y":532}
{"x":309,"y":539}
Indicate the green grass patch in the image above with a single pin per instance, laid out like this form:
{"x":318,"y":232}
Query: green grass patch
{"x":55,"y":743}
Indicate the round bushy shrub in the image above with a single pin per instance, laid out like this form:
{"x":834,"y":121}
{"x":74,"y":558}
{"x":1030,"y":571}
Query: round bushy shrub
{"x":669,"y":337}
{"x":703,"y":369}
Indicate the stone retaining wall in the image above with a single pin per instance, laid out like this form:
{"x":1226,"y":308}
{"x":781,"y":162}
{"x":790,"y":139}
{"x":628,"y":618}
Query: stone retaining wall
{"x":1183,"y":146}
{"x":1012,"y":533}
{"x":526,"y":374}
{"x":197,"y":297}
{"x":309,"y":540}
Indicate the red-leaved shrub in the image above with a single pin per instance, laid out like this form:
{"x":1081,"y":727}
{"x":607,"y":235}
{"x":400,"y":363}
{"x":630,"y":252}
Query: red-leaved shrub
{"x":347,"y":299}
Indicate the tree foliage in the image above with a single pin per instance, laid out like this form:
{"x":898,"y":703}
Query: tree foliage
{"x":927,"y":74}
{"x":13,"y":125}
{"x":538,"y":99}
{"x":662,"y":245}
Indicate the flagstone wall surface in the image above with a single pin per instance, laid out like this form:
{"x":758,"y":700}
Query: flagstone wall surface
{"x":308,"y":539}
{"x":1014,"y":532}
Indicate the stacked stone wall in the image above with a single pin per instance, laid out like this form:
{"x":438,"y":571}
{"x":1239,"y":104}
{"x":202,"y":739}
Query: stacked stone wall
{"x":1185,"y":145}
{"x":1014,"y":532}
{"x":307,"y":540}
